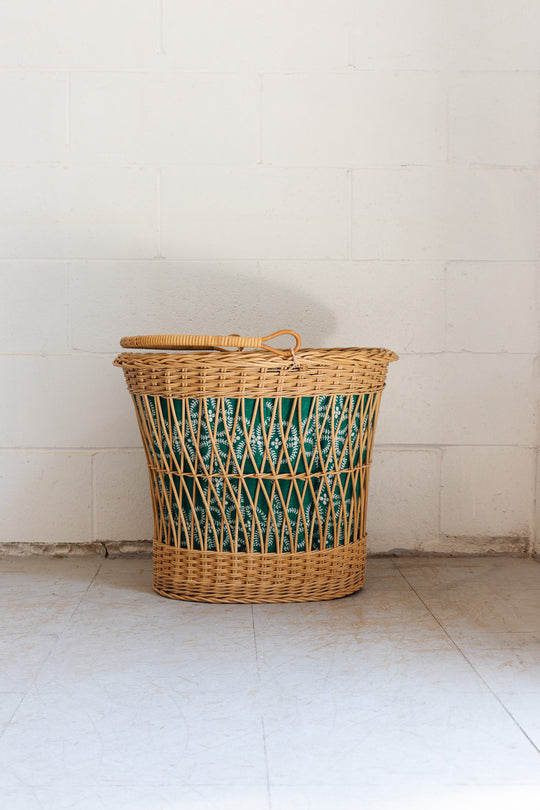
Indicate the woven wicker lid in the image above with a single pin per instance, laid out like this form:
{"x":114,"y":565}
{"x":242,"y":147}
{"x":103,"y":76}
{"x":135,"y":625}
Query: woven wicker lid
{"x":212,"y":349}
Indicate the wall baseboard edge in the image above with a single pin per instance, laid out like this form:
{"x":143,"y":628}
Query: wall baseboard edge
{"x":143,"y":548}
{"x":100,"y":548}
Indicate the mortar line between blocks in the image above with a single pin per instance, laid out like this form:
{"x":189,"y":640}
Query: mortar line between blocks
{"x":534,"y":537}
{"x":93,"y":509}
{"x":537,"y":201}
{"x":349,"y":213}
{"x":445,"y":303}
{"x":261,"y":115}
{"x":468,"y":660}
{"x":159,"y":215}
{"x":68,"y":315}
{"x":534,"y":545}
{"x":440,"y":491}
{"x":68,"y":109}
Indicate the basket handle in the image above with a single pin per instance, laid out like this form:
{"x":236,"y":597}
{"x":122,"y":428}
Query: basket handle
{"x":196,"y":342}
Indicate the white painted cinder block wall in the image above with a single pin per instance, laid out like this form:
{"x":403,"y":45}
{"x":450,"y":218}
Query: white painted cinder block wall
{"x":364,"y":172}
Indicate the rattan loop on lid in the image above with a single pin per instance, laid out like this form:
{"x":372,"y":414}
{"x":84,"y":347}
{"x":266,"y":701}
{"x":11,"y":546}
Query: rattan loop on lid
{"x":210,"y":342}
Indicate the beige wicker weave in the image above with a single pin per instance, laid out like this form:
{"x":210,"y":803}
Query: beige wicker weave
{"x":259,"y":464}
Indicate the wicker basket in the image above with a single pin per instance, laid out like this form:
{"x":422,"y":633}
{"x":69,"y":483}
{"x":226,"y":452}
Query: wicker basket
{"x":259,"y":464}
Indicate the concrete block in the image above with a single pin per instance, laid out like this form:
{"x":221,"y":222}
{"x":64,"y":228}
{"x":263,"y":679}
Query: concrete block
{"x":266,"y":213}
{"x":122,"y":505}
{"x":59,"y":33}
{"x":34,"y":124}
{"x":397,"y":35}
{"x":488,"y":491}
{"x":289,"y":35}
{"x":493,"y":35}
{"x":493,"y":119}
{"x":34,"y":307}
{"x":437,"y":34}
{"x":45,"y":497}
{"x":65,"y":402}
{"x":62,"y":212}
{"x":438,"y":213}
{"x":491,"y":307}
{"x":166,"y":117}
{"x":403,"y":505}
{"x":460,"y":399}
{"x":358,"y":120}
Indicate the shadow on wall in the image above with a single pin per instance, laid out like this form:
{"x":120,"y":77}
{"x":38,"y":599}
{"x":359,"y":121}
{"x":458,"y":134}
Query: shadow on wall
{"x":110,"y":301}
{"x":94,"y":414}
{"x":85,"y":409}
{"x":248,"y":303}
{"x":175,"y":298}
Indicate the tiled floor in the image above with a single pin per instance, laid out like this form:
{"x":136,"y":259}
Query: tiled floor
{"x":420,"y":692}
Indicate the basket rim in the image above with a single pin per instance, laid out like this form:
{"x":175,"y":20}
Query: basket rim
{"x":334,"y":356}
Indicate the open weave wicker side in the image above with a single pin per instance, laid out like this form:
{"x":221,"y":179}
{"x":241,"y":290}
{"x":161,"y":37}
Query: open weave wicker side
{"x":259,"y":469}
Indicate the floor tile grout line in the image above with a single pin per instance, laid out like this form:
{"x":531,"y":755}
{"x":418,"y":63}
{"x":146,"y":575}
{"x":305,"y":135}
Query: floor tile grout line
{"x":53,"y":647}
{"x":269,"y":792}
{"x":16,"y":709}
{"x":467,"y":659}
{"x":100,"y":566}
{"x":255,"y":643}
{"x":262,"y":716}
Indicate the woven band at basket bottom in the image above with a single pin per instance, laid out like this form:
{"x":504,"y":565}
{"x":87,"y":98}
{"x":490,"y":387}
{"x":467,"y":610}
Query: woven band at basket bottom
{"x":221,"y":577}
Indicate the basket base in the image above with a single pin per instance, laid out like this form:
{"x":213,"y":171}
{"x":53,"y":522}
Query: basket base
{"x":210,"y":576}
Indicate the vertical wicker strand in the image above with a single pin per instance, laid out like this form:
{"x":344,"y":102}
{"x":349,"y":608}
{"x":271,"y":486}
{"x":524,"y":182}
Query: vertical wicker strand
{"x":322,"y":518}
{"x":297,"y":477}
{"x":355,"y":443}
{"x":310,"y":427}
{"x":343,"y":513}
{"x":151,"y":464}
{"x":158,"y":432}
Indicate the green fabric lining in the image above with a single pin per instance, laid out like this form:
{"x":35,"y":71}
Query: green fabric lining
{"x":321,"y":466}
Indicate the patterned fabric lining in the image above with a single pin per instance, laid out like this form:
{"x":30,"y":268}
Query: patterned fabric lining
{"x":258,"y":475}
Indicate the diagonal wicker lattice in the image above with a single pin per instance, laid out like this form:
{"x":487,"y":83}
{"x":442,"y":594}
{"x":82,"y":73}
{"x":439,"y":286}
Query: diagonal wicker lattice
{"x":259,"y":468}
